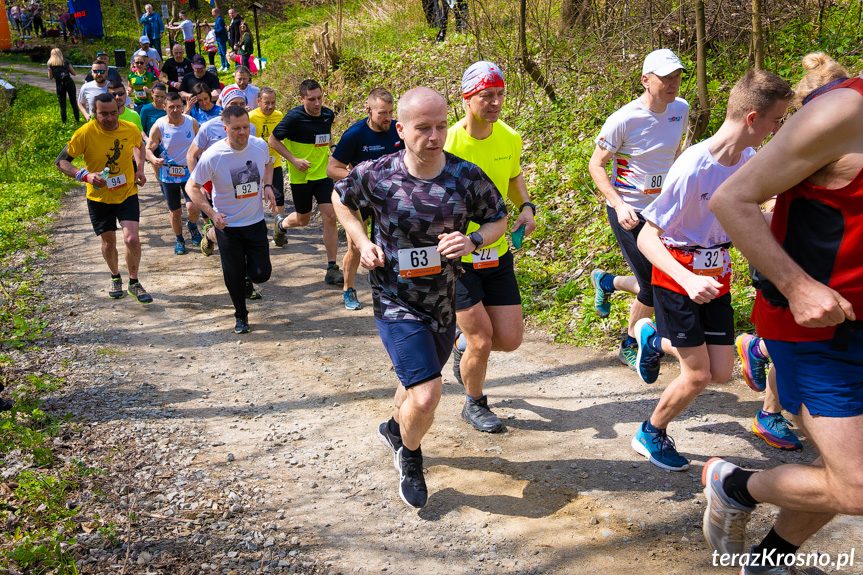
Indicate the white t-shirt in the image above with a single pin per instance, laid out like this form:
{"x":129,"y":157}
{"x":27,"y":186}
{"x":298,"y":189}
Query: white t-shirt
{"x":643,"y":144}
{"x":238,"y":180}
{"x":89,"y":91}
{"x":251,"y":93}
{"x":211,"y":132}
{"x":682,"y":209}
{"x":152,"y":55}
{"x":188,"y":28}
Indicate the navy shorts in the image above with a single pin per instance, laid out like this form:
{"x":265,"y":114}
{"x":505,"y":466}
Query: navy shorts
{"x":491,"y":286}
{"x":641,"y":267}
{"x":320,"y":190}
{"x":104,"y":216}
{"x":172,"y":192}
{"x":279,"y":186}
{"x":688,"y":324}
{"x":418,"y":353}
{"x":828,"y":382}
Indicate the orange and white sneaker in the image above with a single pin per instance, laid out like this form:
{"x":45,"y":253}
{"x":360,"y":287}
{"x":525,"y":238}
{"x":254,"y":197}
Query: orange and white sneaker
{"x":724,"y":519}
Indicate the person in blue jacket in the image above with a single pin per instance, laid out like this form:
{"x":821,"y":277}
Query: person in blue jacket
{"x":153,"y":27}
{"x":221,"y":38}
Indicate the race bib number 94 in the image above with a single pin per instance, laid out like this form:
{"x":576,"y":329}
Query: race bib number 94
{"x":415,"y":262}
{"x":247,"y":190}
{"x":708,"y":262}
{"x":653,"y":184}
{"x":115,"y":182}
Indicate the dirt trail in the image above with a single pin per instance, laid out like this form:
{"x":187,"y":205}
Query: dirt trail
{"x":296,"y":403}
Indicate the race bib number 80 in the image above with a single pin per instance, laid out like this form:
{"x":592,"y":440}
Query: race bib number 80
{"x":653,"y":184}
{"x":415,"y":262}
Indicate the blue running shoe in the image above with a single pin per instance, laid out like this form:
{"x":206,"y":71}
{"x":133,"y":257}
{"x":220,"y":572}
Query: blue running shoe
{"x":196,"y":235}
{"x":628,"y":354}
{"x":773,"y":428}
{"x":179,"y":247}
{"x":659,"y":449}
{"x":647,"y":361}
{"x":754,"y":368}
{"x":350,"y":298}
{"x":600,"y":296}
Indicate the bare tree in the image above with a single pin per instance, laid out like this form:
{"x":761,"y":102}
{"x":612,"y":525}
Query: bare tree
{"x":529,"y":65}
{"x":757,"y":34}
{"x":700,"y":117}
{"x":574,"y":13}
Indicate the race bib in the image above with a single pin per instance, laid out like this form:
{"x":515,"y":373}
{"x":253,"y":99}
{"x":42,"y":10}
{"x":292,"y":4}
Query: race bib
{"x":322,"y":140}
{"x":115,"y":182}
{"x":653,"y":184}
{"x":176,"y":171}
{"x":708,"y":262}
{"x":141,"y":94}
{"x":247,"y":190}
{"x":415,"y":262}
{"x":486,"y":258}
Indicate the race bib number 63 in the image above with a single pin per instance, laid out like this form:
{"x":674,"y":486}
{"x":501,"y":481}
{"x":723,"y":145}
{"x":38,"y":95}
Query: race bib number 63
{"x":415,"y":262}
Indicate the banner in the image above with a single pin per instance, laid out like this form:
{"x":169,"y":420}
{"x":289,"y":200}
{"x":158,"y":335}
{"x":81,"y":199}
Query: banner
{"x":88,"y":15}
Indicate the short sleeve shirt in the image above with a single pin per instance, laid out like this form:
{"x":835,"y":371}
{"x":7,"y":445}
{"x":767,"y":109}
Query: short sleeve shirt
{"x":212,"y":131}
{"x":132,"y":117}
{"x":188,"y":28}
{"x":189,"y":81}
{"x":264,"y":126}
{"x":308,"y":139}
{"x":643,"y":144}
{"x":137,"y":82}
{"x":149,"y":114}
{"x":238,"y":180}
{"x":499,"y":156}
{"x":360,"y":143}
{"x":176,"y":71}
{"x":411,"y":213}
{"x":251,"y":94}
{"x":101,"y":149}
{"x":89,"y":91}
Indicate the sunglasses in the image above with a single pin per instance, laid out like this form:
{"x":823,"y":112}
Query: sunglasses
{"x":99,"y":71}
{"x":118,"y":94}
{"x":139,"y":63}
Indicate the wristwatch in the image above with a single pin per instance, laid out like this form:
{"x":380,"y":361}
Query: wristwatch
{"x":529,"y":205}
{"x":476,"y":239}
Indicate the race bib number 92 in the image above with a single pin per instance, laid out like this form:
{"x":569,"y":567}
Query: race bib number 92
{"x":247,"y":190}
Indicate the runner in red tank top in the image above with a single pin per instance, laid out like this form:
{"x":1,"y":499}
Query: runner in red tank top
{"x":807,"y":317}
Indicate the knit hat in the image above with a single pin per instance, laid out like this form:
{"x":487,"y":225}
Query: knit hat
{"x":479,"y":76}
{"x":232,"y":93}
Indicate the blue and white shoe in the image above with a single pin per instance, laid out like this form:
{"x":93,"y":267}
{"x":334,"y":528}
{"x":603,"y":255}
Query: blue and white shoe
{"x":350,"y":298}
{"x":600,"y":296}
{"x":659,"y":449}
{"x":647,"y":361}
{"x":179,"y":247}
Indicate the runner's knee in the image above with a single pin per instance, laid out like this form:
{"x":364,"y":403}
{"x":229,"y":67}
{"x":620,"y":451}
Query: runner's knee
{"x":721,"y":374}
{"x":304,"y":219}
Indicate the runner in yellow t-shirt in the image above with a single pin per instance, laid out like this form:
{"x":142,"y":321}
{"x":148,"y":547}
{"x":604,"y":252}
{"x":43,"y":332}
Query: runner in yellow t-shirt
{"x":265,"y":118}
{"x":109,"y":147}
{"x":488,"y":303}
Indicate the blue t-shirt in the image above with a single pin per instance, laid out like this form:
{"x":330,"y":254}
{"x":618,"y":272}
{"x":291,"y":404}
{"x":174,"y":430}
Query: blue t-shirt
{"x":202,"y":116}
{"x":149,"y":114}
{"x":360,"y":143}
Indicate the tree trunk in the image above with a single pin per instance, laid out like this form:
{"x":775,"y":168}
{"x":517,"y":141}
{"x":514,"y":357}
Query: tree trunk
{"x":136,"y":9}
{"x":529,"y":66}
{"x":574,"y":13}
{"x":701,"y":117}
{"x":757,"y":34}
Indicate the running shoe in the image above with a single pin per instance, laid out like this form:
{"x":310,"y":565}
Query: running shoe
{"x":251,"y":292}
{"x":394,"y":442}
{"x":334,"y":275}
{"x":116,"y":289}
{"x":351,"y":301}
{"x":279,"y":237}
{"x":456,"y":358}
{"x":724,"y":519}
{"x":196,"y":235}
{"x":477,"y":413}
{"x":206,"y":244}
{"x":242,"y":325}
{"x":647,"y":360}
{"x":137,"y":290}
{"x":773,"y":428}
{"x":412,"y":484}
{"x":179,"y":247}
{"x":628,"y":354}
{"x":659,"y":449}
{"x":754,"y":368}
{"x":600,"y":296}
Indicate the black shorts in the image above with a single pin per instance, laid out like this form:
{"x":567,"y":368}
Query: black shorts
{"x":104,"y":216}
{"x":641,"y":267}
{"x":279,"y":186}
{"x":172,"y":192}
{"x":321,"y":190}
{"x":688,"y":324}
{"x":491,"y":286}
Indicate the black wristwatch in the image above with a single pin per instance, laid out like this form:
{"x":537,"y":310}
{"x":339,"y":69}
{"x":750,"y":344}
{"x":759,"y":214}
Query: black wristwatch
{"x":476,"y":239}
{"x":529,"y":205}
{"x":269,"y":186}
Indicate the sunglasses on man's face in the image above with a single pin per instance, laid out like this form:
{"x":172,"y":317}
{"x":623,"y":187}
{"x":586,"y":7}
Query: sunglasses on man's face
{"x":99,"y":71}
{"x":118,"y":94}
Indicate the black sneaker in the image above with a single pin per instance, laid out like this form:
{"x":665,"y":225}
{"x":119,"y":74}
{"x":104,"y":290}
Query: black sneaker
{"x":456,"y":359}
{"x":394,"y":442}
{"x":251,"y":292}
{"x":477,"y":413}
{"x":137,"y":290}
{"x":116,"y":289}
{"x":412,"y":484}
{"x":242,"y":325}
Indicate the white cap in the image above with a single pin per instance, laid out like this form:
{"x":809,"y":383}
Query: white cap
{"x":143,"y":40}
{"x":661,"y":62}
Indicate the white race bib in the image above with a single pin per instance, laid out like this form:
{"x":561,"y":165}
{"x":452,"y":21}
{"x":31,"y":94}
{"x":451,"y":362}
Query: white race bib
{"x":176,"y":171}
{"x":415,"y":262}
{"x":115,"y":182}
{"x":486,"y":258}
{"x":653,"y":183}
{"x":322,"y":140}
{"x":708,"y":262}
{"x":247,"y":190}
{"x":141,"y":95}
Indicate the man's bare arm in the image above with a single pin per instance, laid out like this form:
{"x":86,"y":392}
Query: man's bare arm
{"x":337,"y":170}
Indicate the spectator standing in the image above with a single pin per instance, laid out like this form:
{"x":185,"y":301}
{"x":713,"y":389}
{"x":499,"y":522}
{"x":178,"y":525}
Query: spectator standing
{"x":61,"y":71}
{"x":210,"y":45}
{"x":246,"y":46}
{"x":187,"y":27}
{"x":36,"y":17}
{"x":15,"y":18}
{"x":221,"y":38}
{"x":234,"y":29}
{"x":153,"y":27}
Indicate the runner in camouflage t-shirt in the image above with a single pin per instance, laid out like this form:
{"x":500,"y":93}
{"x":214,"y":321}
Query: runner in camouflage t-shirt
{"x":423,"y":199}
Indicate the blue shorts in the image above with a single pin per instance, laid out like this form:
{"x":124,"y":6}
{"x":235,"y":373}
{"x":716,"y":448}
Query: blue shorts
{"x":418,"y":353}
{"x":828,"y":382}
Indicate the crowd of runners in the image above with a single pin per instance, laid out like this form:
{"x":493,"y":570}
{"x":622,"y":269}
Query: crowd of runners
{"x":424,"y":206}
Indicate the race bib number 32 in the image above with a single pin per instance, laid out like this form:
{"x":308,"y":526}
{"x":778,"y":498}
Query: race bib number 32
{"x":115,"y":182}
{"x":708,"y":262}
{"x":415,"y":262}
{"x":653,"y":183}
{"x":247,"y":190}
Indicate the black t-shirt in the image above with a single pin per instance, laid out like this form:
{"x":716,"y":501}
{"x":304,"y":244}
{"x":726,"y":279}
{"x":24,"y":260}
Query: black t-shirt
{"x":298,"y":126}
{"x":176,"y":71}
{"x":189,"y":82}
{"x":61,"y":73}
